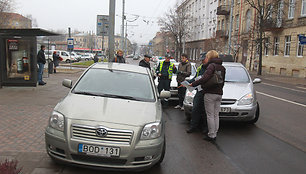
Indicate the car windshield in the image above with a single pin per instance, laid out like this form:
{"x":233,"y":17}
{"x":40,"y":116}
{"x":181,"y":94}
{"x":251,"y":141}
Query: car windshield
{"x":236,"y":74}
{"x":115,"y":84}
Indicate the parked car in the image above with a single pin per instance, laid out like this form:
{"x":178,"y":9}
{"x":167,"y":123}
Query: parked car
{"x":239,"y":102}
{"x":173,"y":84}
{"x":103,"y":125}
{"x":63,"y":54}
{"x":86,"y":57}
{"x":136,"y":57}
{"x":75,"y":56}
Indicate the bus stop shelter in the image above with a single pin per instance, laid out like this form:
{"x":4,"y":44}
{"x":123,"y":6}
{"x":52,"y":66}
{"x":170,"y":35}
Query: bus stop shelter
{"x":18,"y":56}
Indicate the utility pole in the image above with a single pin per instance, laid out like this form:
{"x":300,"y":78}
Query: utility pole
{"x":122,"y":25}
{"x":111,"y":39}
{"x":230,"y":29}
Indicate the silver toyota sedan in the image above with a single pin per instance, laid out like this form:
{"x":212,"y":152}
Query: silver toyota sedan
{"x":239,"y":102}
{"x":111,"y":118}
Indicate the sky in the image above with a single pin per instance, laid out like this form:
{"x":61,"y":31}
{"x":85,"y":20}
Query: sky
{"x":81,"y":15}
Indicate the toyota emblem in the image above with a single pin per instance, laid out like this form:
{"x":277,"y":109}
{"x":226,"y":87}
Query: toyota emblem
{"x":101,"y":132}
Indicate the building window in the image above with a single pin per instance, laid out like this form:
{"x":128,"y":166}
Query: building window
{"x":291,"y":9}
{"x":276,"y":46}
{"x":237,"y":22}
{"x":287,"y":45}
{"x":248,"y":21}
{"x":300,"y":48}
{"x":303,"y":7}
{"x":266,"y":46}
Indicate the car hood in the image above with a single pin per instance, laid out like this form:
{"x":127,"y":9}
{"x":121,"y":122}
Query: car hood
{"x":111,"y":110}
{"x":234,"y":90}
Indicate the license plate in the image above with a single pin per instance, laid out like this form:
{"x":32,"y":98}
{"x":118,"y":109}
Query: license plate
{"x":99,"y":150}
{"x":225,"y":109}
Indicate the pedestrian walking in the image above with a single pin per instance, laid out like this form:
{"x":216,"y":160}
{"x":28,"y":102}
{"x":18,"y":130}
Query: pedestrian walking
{"x":56,"y":59}
{"x":184,"y":70}
{"x":145,"y":62}
{"x":198,"y":114}
{"x":213,"y":94}
{"x":96,"y":59}
{"x":119,"y":57}
{"x":41,"y":61}
{"x":164,"y":72}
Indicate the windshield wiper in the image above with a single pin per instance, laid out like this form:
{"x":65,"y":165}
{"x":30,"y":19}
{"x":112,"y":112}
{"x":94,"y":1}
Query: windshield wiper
{"x":120,"y":96}
{"x":87,"y":93}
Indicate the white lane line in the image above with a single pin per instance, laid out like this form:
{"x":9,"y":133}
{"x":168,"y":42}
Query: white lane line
{"x":284,"y":87}
{"x":301,"y":87}
{"x":292,"y":102}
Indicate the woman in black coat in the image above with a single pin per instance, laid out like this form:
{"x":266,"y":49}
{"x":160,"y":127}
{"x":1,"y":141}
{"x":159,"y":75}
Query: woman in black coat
{"x":56,"y":60}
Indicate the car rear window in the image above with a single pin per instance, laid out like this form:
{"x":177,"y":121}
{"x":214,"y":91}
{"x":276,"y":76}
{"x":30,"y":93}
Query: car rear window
{"x":236,"y":74}
{"x":116,"y":83}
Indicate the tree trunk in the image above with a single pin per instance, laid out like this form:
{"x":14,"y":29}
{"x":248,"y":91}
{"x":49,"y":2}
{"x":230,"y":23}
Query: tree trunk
{"x":259,"y":72}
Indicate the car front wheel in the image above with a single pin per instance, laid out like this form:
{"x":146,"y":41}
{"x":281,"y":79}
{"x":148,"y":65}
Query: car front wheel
{"x":256,"y":115}
{"x":162,"y":154}
{"x":67,"y":61}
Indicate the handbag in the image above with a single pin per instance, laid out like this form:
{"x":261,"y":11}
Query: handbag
{"x":215,"y":80}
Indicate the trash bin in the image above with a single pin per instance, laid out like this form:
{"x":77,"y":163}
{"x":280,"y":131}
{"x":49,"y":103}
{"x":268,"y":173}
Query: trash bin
{"x":50,"y":67}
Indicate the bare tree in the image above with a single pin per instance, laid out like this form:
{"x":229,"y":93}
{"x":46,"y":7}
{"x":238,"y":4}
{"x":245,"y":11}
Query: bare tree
{"x":5,"y":7}
{"x":175,"y":22}
{"x":268,"y":15}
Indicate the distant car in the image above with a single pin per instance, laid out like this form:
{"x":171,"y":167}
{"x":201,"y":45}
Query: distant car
{"x":63,"y":54}
{"x":75,"y":56}
{"x":129,"y":56}
{"x":86,"y":128}
{"x":86,"y":57}
{"x":136,"y":57}
{"x":173,"y":84}
{"x":239,"y":102}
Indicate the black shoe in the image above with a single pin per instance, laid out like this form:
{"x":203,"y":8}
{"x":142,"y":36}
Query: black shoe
{"x":190,"y":130}
{"x":42,"y":83}
{"x":207,"y":138}
{"x":54,"y":71}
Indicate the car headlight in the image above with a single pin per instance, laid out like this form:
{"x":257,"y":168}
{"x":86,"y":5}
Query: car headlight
{"x":246,"y":100}
{"x":57,"y":121}
{"x":151,"y":131}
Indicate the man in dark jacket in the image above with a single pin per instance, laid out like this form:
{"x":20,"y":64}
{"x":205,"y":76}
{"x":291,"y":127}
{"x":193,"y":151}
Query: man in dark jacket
{"x":145,"y":62}
{"x":41,"y":60}
{"x":184,"y":70}
{"x":198,"y":115}
{"x":119,"y":57}
{"x":164,"y":72}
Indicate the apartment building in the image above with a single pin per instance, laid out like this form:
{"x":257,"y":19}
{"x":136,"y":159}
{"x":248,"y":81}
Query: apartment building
{"x":202,"y":24}
{"x":282,"y":52}
{"x":163,"y":43}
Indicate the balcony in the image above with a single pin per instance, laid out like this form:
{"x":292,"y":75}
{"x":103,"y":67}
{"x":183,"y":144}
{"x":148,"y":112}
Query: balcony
{"x":272,"y":25}
{"x":222,"y":33}
{"x":223,"y":10}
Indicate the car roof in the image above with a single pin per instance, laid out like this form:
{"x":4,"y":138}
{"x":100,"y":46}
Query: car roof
{"x":232,"y":64}
{"x":120,"y":67}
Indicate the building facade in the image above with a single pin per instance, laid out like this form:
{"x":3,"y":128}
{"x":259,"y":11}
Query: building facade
{"x":14,"y":21}
{"x":163,"y":43}
{"x":282,"y":52}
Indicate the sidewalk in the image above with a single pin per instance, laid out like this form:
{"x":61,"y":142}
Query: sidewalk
{"x":300,"y":82}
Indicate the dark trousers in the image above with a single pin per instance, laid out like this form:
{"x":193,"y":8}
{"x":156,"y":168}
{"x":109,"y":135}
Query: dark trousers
{"x":198,"y":114}
{"x":163,"y":84}
{"x":181,"y":94}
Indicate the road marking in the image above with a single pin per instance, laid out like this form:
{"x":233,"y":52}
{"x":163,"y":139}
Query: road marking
{"x":301,"y":87}
{"x":285,"y":87}
{"x":292,"y":102}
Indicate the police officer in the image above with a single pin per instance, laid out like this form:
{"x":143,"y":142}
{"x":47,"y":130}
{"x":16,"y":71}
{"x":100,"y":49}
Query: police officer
{"x":198,"y":114}
{"x":164,"y":72}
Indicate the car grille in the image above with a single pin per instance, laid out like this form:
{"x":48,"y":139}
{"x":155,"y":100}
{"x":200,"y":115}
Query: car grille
{"x":228,"y":113}
{"x":98,"y":160}
{"x":113,"y":135}
{"x":228,"y":101}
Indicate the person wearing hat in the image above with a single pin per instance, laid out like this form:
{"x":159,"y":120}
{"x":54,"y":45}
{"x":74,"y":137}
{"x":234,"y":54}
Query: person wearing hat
{"x":164,"y":71}
{"x":145,"y":62}
{"x":198,"y":114}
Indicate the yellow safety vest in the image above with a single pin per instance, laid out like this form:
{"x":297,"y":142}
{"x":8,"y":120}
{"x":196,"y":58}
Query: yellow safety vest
{"x":199,"y":69}
{"x":170,"y":70}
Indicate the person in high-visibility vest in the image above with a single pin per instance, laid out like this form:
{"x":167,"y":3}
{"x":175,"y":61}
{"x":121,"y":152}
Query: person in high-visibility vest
{"x":198,"y":114}
{"x":164,"y":72}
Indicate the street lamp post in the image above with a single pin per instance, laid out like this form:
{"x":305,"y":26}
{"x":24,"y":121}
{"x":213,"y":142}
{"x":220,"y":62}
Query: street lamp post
{"x":111,"y":39}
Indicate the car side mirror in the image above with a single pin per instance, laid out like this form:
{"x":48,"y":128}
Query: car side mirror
{"x":67,"y":83}
{"x":256,"y":80}
{"x":164,"y":94}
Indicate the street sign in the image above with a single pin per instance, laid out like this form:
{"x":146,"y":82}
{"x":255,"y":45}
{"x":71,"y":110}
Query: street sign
{"x":302,"y":39}
{"x":70,"y":43}
{"x":102,"y":25}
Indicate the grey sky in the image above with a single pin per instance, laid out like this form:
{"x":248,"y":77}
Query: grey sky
{"x":82,"y":15}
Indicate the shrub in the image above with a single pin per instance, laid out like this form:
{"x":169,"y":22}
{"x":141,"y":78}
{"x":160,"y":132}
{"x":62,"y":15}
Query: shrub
{"x":9,"y":167}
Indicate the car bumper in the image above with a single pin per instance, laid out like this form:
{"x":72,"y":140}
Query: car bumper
{"x":132,"y":157}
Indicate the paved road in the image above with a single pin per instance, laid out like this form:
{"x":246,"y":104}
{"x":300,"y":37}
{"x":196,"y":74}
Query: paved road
{"x":275,"y":144}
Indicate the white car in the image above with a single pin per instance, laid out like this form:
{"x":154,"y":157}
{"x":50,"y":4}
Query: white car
{"x":173,"y":84}
{"x":239,"y":102}
{"x":63,"y":54}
